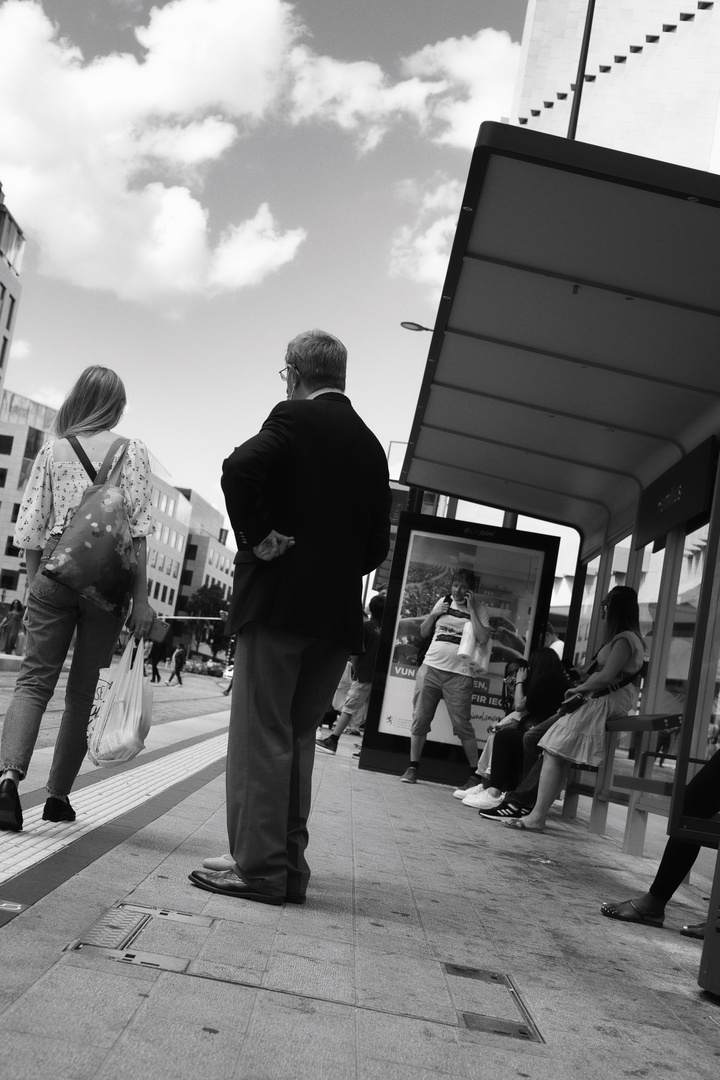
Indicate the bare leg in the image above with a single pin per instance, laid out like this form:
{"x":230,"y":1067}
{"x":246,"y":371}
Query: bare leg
{"x":471,"y":752}
{"x":552,"y":778}
{"x":417,"y":742}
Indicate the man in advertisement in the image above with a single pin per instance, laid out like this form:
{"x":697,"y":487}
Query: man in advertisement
{"x":444,"y":674}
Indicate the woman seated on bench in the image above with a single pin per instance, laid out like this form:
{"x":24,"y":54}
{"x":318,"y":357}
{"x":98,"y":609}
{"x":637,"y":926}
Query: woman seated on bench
{"x":578,"y":737}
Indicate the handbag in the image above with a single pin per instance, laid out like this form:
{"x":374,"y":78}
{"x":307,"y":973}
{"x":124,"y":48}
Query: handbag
{"x":94,"y":555}
{"x":476,"y":656}
{"x":122,"y":711}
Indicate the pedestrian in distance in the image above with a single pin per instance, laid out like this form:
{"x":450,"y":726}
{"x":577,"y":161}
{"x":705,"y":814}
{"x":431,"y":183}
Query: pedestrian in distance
{"x":308,"y":499}
{"x":178,"y":663}
{"x":56,"y":612}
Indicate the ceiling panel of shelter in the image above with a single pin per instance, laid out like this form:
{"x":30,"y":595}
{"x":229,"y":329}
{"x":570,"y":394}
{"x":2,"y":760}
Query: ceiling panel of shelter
{"x":557,"y":384}
{"x":575,"y":353}
{"x":517,"y":221}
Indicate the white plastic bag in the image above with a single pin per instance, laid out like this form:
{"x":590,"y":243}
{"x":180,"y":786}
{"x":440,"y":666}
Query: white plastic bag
{"x":476,"y":656}
{"x":121,"y":714}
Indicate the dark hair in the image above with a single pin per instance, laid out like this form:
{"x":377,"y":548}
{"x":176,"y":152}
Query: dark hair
{"x":543,"y":661}
{"x":376,"y":607}
{"x":463,"y":574}
{"x":507,"y":697}
{"x":95,"y":403}
{"x":623,"y":613}
{"x":16,"y":605}
{"x":319,"y":359}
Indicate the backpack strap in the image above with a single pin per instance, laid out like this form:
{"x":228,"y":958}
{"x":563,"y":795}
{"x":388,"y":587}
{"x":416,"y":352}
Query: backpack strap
{"x":103,"y":475}
{"x":84,"y":459}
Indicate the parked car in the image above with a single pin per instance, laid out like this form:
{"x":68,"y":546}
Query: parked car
{"x":228,"y":672}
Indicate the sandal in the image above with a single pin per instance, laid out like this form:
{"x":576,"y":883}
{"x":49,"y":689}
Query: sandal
{"x":519,"y":825}
{"x":631,"y":913}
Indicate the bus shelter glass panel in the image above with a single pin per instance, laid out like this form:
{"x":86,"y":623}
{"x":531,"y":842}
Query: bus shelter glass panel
{"x":698,"y":673}
{"x":580,"y":655}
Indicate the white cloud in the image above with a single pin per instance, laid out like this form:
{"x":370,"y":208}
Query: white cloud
{"x":249,"y":252}
{"x":50,"y":396}
{"x":479,"y":73}
{"x":20,"y":349}
{"x":356,"y":96}
{"x":99,"y":160}
{"x":420,"y":251}
{"x":451,"y":87}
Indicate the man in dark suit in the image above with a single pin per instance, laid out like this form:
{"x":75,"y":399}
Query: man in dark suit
{"x":309,"y":502}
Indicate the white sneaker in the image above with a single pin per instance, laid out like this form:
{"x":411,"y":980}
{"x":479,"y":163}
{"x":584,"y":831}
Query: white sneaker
{"x":462,"y":792}
{"x":482,"y":800}
{"x":220,"y":862}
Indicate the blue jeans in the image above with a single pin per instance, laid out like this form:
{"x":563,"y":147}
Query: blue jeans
{"x":55,"y":613}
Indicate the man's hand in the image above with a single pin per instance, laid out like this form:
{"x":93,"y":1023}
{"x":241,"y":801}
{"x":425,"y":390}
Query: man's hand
{"x":273,"y":546}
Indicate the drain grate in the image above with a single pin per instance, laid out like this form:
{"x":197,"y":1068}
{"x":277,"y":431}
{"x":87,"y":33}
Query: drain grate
{"x":118,"y":927}
{"x":509,"y":999}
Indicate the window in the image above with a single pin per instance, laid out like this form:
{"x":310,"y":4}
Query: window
{"x":153,"y":558}
{"x":6,"y":444}
{"x":3,"y":477}
{"x":180,"y":542}
{"x":16,"y":511}
{"x":158,"y":530}
{"x":171,"y":596}
{"x":163,"y":598}
{"x":187,"y":576}
{"x":9,"y":579}
{"x":173,"y":537}
{"x":191,"y":548}
{"x":34,"y":443}
{"x":10,"y":548}
{"x":155,"y":496}
{"x":165,"y":533}
{"x":161,"y":563}
{"x":163,"y":503}
{"x":171,"y":507}
{"x":150,"y":585}
{"x":11,"y":312}
{"x":175,"y":568}
{"x":157,"y":590}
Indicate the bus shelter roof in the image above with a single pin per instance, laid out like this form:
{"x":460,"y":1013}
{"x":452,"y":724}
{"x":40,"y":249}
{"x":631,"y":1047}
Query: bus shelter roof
{"x":576,"y":352}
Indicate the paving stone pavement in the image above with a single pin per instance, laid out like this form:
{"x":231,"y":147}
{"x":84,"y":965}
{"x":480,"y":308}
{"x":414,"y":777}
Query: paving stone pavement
{"x":433,"y":943}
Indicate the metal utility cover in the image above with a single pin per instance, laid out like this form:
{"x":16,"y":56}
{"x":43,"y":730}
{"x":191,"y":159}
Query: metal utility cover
{"x":575,"y":354}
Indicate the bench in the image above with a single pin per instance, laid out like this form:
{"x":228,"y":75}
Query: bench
{"x":606,"y":786}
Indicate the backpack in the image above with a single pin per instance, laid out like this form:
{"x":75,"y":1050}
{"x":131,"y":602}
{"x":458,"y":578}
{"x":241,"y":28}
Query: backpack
{"x":94,"y":555}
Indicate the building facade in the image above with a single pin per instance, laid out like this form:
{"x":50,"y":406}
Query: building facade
{"x":652,"y":81}
{"x":208,"y":560}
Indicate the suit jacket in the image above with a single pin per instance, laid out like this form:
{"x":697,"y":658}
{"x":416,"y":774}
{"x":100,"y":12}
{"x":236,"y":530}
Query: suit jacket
{"x":315,"y":472}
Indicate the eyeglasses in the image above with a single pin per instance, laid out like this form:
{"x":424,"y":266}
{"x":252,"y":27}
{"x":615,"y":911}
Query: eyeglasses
{"x":283,"y":371}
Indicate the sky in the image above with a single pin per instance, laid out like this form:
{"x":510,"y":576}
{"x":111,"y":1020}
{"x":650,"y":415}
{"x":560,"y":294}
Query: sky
{"x":200,"y":180}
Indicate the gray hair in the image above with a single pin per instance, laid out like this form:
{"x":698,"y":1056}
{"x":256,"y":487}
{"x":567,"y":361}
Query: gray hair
{"x":320,"y":359}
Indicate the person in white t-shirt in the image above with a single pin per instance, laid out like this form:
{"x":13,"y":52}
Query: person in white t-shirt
{"x":444,"y":675}
{"x":552,"y":641}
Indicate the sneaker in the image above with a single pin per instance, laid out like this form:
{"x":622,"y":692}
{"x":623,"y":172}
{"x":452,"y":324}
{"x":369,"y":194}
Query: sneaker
{"x":505,"y":812}
{"x":356,"y":753}
{"x":470,"y":784}
{"x":326,"y":746}
{"x":482,"y":800}
{"x":409,"y":776}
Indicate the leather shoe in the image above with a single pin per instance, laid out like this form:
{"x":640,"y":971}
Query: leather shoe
{"x":58,"y":810}
{"x":11,"y":819}
{"x":696,"y":930}
{"x":227,"y":883}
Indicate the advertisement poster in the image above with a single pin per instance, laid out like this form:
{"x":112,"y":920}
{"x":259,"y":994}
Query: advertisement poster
{"x":513,"y":573}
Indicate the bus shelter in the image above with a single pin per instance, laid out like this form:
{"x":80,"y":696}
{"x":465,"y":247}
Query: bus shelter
{"x":573,"y":375}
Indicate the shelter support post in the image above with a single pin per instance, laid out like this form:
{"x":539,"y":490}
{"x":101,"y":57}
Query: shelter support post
{"x":636,"y":820}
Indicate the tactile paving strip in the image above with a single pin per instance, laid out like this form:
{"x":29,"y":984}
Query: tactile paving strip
{"x":100,"y":803}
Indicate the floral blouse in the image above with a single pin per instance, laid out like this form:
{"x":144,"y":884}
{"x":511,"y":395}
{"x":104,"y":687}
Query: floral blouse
{"x":56,"y":487}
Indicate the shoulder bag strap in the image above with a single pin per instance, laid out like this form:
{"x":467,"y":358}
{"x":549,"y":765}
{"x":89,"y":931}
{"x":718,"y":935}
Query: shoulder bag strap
{"x":103,"y":475}
{"x":84,"y":459}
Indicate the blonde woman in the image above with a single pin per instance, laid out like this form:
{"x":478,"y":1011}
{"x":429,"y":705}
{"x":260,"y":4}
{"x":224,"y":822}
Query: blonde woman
{"x":55,"y":612}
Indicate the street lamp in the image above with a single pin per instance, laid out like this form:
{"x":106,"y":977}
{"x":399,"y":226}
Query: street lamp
{"x":415,"y":326}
